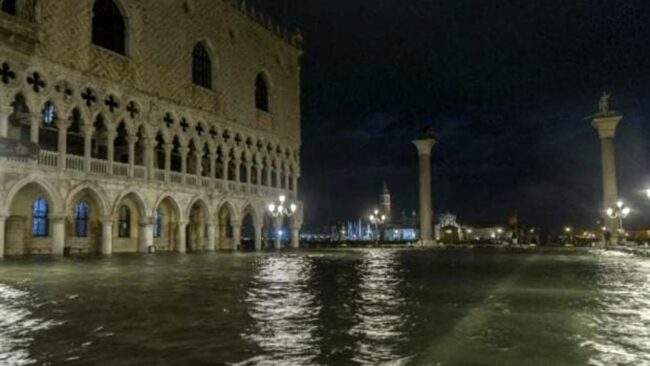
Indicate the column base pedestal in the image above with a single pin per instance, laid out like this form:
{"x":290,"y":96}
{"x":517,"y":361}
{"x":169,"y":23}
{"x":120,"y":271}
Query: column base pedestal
{"x":427,"y":243}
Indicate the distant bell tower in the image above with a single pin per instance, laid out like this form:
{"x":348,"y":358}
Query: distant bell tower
{"x":384,"y":198}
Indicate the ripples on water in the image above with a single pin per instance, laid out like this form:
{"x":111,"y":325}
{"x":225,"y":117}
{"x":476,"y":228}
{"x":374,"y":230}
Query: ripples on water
{"x":621,"y":325}
{"x":380,"y":315}
{"x":17,"y":326}
{"x":389,"y":307}
{"x":285,"y":310}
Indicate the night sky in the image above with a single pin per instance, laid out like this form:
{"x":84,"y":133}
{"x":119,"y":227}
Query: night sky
{"x":505,"y":84}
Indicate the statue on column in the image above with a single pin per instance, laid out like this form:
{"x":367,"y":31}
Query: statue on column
{"x":603,"y":104}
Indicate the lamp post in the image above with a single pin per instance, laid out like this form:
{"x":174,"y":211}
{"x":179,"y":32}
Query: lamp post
{"x":278,"y":210}
{"x":619,"y":213}
{"x":569,"y":232}
{"x":377,"y":220}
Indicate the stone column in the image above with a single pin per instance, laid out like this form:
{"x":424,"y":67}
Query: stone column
{"x":146,"y":235}
{"x":111,"y":135}
{"x":198,"y":164}
{"x":211,"y":238}
{"x":258,"y":237}
{"x":168,"y":160}
{"x":424,"y":147}
{"x":278,"y":178}
{"x":107,"y":236}
{"x":269,"y":175}
{"x":226,"y":168}
{"x":182,"y":240}
{"x":213,"y":163}
{"x":249,"y":169}
{"x":606,"y":124}
{"x":295,"y":185}
{"x":5,"y":112}
{"x":62,"y":142}
{"x":277,"y":226}
{"x":88,"y":142}
{"x":258,"y":171}
{"x":3,"y":219}
{"x":149,"y":157}
{"x":286,"y":179}
{"x":184,"y":150}
{"x":295,"y":236}
{"x":236,"y":235}
{"x":238,"y":170}
{"x":58,"y":235}
{"x":131,"y":139}
{"x":34,"y":125}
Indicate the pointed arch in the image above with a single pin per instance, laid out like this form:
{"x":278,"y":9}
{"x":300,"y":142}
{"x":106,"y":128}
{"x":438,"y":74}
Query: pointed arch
{"x":203,"y":202}
{"x":169,"y":197}
{"x":95,"y":192}
{"x":56,"y":202}
{"x":137,"y":197}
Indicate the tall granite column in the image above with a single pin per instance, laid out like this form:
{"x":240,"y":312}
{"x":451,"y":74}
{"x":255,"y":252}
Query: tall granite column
{"x":605,"y":123}
{"x":424,"y":147}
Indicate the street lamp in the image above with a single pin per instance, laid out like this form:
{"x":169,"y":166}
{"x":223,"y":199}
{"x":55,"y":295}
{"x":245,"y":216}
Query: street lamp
{"x":619,"y":212}
{"x":279,"y":210}
{"x":377,"y":220}
{"x":568,"y":230}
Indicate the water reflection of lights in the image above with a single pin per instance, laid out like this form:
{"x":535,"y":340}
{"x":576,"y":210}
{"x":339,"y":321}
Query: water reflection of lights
{"x":621,"y":326}
{"x":17,"y":326}
{"x":380,"y":319}
{"x":285,"y":311}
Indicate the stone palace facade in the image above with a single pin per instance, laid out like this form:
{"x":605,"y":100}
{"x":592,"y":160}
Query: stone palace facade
{"x":162,"y":125}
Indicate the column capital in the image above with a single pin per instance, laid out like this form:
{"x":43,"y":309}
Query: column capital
{"x":106,"y":220}
{"x":131,"y":139}
{"x":87,"y":130}
{"x":62,"y":123}
{"x":146,"y":221}
{"x":424,"y":146}
{"x":57,"y":218}
{"x":184,"y":150}
{"x":606,"y":125}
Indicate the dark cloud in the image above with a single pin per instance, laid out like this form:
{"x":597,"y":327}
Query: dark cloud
{"x":505,"y":84}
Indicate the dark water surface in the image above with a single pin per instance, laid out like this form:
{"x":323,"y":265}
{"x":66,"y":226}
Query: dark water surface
{"x":393,"y":307}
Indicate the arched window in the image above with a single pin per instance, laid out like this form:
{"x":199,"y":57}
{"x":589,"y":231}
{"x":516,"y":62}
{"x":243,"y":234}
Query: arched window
{"x":9,"y":7}
{"x":201,"y":66}
{"x":49,"y":114}
{"x":109,"y":27}
{"x":261,"y":93}
{"x":81,"y":217}
{"x":124,"y":230}
{"x":40,"y":222}
{"x":157,"y":223}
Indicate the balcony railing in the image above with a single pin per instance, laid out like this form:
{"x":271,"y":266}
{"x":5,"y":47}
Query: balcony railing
{"x":75,"y":163}
{"x":121,"y":169}
{"x":159,"y":175}
{"x":48,"y":158}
